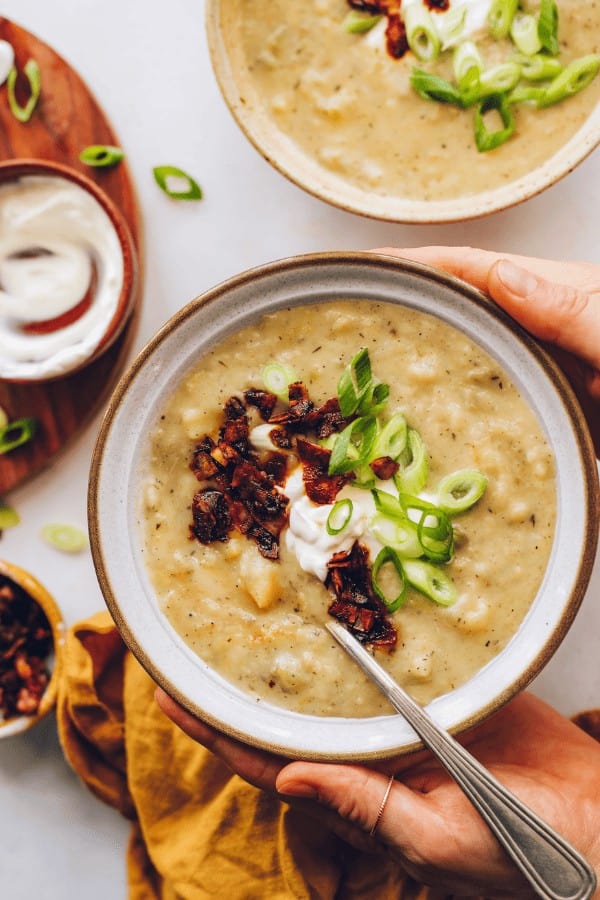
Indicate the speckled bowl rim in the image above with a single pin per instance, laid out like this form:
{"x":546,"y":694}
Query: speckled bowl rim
{"x":314,"y":268}
{"x":17,"y":168}
{"x":30,"y":584}
{"x":294,"y":164}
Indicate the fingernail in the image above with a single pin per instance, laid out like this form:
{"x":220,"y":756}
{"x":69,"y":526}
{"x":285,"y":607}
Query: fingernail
{"x":296,"y":789}
{"x":515,"y":279}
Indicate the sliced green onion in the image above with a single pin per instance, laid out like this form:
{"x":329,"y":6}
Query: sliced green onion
{"x":392,"y":438}
{"x":467,"y":64}
{"x":490,"y":140}
{"x":500,"y":17}
{"x":451,"y":26}
{"x":524,"y":33}
{"x":461,"y":490}
{"x":430,"y":581}
{"x":353,"y":446}
{"x":164,"y":177}
{"x":388,"y":505}
{"x":16,"y":433}
{"x":574,"y":78}
{"x":421,"y":32}
{"x":374,"y":399}
{"x":3,"y":417}
{"x":101,"y":155}
{"x":526,"y":93}
{"x":385,"y":557}
{"x":499,"y":79}
{"x":277,"y":378}
{"x":339,"y":516}
{"x":31,"y":71}
{"x":67,"y":538}
{"x":359,"y":23}
{"x":548,"y":27}
{"x":9,"y":517}
{"x":354,"y":382}
{"x":412,"y":474}
{"x":400,"y":534}
{"x":434,"y":529}
{"x":433,"y":87}
{"x":539,"y":67}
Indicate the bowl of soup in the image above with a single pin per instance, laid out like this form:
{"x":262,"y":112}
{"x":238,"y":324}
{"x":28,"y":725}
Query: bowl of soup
{"x":355,"y":115}
{"x":350,"y":437}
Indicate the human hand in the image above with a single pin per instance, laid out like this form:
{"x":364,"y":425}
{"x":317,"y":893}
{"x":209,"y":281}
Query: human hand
{"x":427,"y":823}
{"x":558,"y":302}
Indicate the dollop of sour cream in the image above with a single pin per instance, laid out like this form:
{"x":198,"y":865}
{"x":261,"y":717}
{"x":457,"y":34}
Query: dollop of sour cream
{"x":57,"y":245}
{"x":472,"y":13}
{"x":306,"y":535}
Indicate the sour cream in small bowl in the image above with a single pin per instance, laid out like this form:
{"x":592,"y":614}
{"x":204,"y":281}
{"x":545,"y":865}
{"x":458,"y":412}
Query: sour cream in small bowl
{"x":67,"y":271}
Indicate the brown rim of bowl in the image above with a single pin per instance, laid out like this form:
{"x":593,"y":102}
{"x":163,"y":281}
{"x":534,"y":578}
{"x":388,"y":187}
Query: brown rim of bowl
{"x":239,"y":110}
{"x":555,"y":375}
{"x":16,"y":168}
{"x":44,"y":599}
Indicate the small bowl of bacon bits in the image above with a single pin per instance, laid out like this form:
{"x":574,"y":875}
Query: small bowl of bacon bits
{"x":31,"y":639}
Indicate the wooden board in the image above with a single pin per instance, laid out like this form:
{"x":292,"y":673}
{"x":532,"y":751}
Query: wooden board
{"x":66,"y":120}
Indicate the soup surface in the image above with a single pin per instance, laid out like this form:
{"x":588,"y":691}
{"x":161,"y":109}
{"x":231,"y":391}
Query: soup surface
{"x":260,"y":622}
{"x":348,"y":105}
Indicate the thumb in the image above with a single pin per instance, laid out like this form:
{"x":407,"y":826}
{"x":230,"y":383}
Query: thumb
{"x":558,"y":313}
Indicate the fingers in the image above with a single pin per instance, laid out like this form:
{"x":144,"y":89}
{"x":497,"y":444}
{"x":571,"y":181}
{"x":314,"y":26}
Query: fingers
{"x":254,"y":766}
{"x":561,"y":314}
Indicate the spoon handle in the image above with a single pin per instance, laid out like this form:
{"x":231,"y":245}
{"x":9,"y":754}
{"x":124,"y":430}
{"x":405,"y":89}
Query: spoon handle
{"x":553,"y":867}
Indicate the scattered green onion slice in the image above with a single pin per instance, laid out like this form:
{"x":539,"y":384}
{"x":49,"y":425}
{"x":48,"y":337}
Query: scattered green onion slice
{"x":421,"y":32}
{"x":388,"y":505}
{"x":16,"y":433}
{"x":277,"y":378}
{"x":353,"y":446}
{"x":389,"y":556}
{"x":433,"y":87}
{"x":3,"y":417}
{"x":67,"y":538}
{"x":490,"y":140}
{"x":499,"y":79}
{"x":31,"y":70}
{"x":354,"y":382}
{"x":539,"y":67}
{"x":467,"y":64}
{"x":526,"y":93}
{"x":461,"y":490}
{"x":500,"y":17}
{"x":358,"y":23}
{"x":548,"y":26}
{"x":451,"y":27}
{"x":430,"y":580}
{"x":412,"y":474}
{"x":524,"y":33}
{"x":392,"y":438}
{"x":340,"y":515}
{"x":101,"y":155}
{"x":9,"y":517}
{"x":165,"y":174}
{"x":434,"y":529}
{"x":573,"y":78}
{"x":400,"y":534}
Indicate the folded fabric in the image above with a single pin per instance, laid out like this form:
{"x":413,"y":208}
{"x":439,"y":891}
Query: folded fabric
{"x":198,"y":831}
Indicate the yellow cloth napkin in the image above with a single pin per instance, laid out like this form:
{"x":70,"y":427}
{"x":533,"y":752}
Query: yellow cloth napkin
{"x":198,"y":831}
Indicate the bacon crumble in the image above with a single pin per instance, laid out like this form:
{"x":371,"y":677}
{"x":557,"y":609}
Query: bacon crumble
{"x":356,"y":604}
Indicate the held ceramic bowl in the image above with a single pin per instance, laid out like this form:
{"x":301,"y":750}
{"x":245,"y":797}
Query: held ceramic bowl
{"x":38,"y":593}
{"x":105,"y":330}
{"x":115,"y":485}
{"x":253,"y":117}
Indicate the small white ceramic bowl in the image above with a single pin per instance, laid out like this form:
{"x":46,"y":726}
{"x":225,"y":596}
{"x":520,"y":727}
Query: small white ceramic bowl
{"x":38,"y":593}
{"x":145,"y":388}
{"x":259,"y":126}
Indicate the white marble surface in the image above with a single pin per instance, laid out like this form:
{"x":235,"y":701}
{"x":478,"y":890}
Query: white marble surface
{"x":147,"y":62}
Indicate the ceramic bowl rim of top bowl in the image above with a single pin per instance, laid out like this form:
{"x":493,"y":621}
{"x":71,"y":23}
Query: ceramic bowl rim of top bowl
{"x":13,"y":169}
{"x":297,"y":166}
{"x":143,"y":390}
{"x":40,"y":595}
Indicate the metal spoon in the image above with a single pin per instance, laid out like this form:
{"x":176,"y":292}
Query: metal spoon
{"x":553,"y":867}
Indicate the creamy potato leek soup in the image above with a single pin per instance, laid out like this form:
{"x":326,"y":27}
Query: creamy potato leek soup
{"x":355,"y":460}
{"x":508,"y":99}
